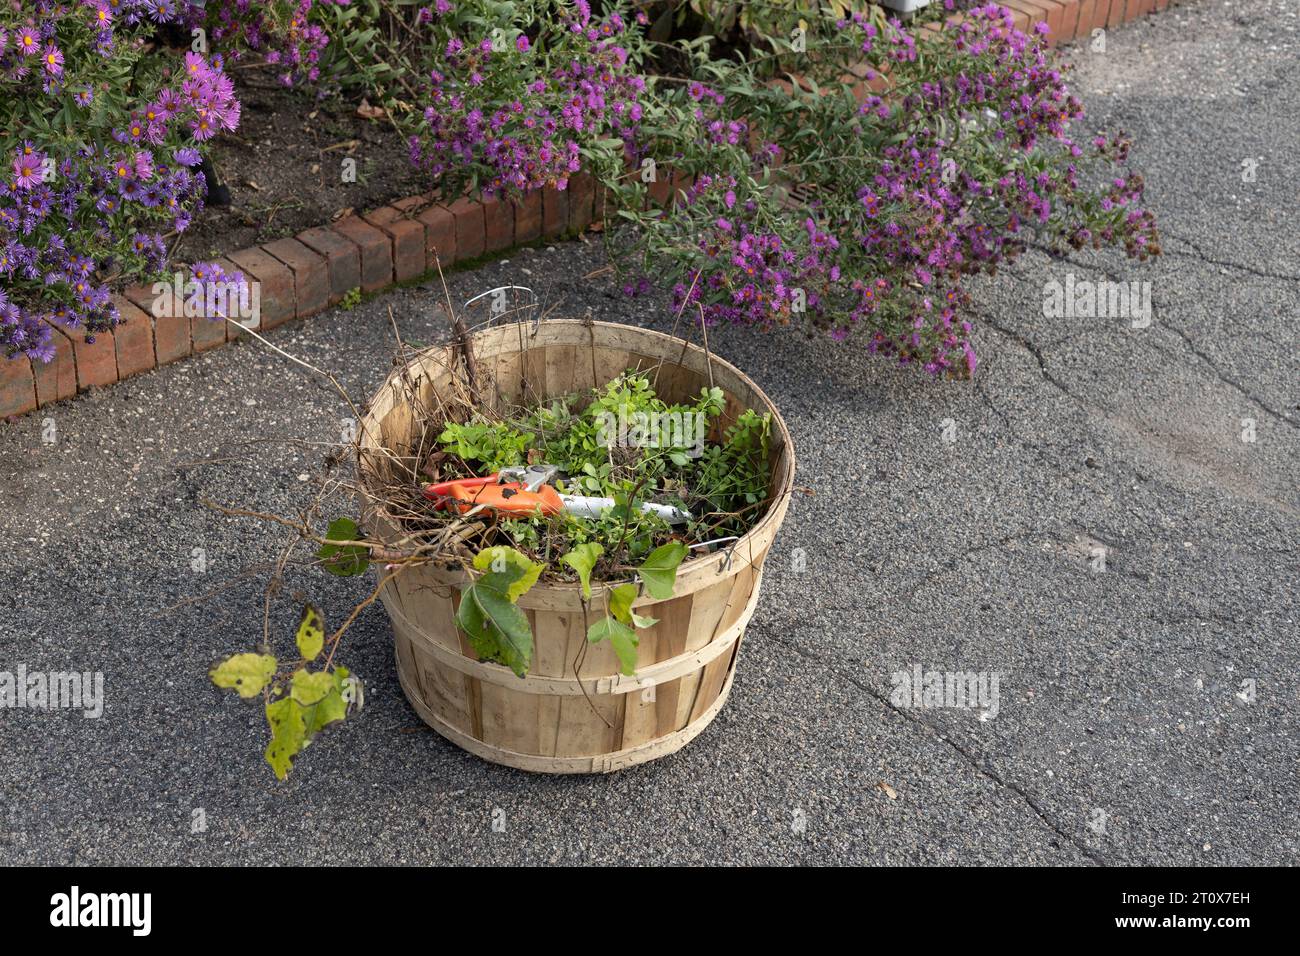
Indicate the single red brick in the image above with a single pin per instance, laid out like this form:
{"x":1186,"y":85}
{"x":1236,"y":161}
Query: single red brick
{"x":1084,"y":23}
{"x":1146,"y":7}
{"x":528,"y":217}
{"x":134,"y":340}
{"x":96,"y":361}
{"x":1113,"y":8}
{"x":17,"y":386}
{"x":410,"y":257}
{"x":141,"y":296}
{"x":382,"y":216}
{"x":582,"y":191}
{"x":172,"y":339}
{"x":56,"y":379}
{"x":342,"y":257}
{"x":1035,"y":10}
{"x":498,"y":225}
{"x":171,"y":328}
{"x":439,"y":237}
{"x":661,"y":190}
{"x":407,"y":239}
{"x":1056,"y":15}
{"x":470,"y":228}
{"x":555,"y":211}
{"x":276,"y":286}
{"x":311,"y":278}
{"x":376,"y":252}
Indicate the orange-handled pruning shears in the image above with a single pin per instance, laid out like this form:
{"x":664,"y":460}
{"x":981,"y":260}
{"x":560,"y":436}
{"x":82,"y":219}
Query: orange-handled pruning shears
{"x":526,"y":491}
{"x":510,"y":497}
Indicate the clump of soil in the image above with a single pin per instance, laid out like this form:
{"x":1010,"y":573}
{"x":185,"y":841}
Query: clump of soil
{"x":284,"y":169}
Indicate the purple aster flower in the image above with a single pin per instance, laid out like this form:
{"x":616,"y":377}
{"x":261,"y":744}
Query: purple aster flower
{"x":52,"y":60}
{"x":28,"y":42}
{"x":27,"y":170}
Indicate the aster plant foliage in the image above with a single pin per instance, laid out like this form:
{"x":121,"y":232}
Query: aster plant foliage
{"x":501,"y":97}
{"x":858,"y":206}
{"x":508,"y":112}
{"x":282,"y":32}
{"x":100,"y":131}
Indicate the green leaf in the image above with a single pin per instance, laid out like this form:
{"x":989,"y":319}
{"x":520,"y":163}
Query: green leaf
{"x":311,"y":633}
{"x":332,"y":707}
{"x":288,"y":734}
{"x":620,"y":603}
{"x":582,"y":559}
{"x":348,"y":559}
{"x":621,"y":637}
{"x":246,"y":673}
{"x":659,"y":571}
{"x":311,"y":687}
{"x":620,"y":606}
{"x":498,"y":630}
{"x":500,"y":559}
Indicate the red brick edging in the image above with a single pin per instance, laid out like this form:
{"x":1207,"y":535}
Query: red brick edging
{"x":316,"y":269}
{"x":298,"y":277}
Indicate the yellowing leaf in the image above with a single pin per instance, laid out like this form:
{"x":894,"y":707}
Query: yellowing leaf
{"x":620,"y":607}
{"x":288,"y":734}
{"x":310,"y":688}
{"x":330,"y":708}
{"x":246,"y":673}
{"x":501,"y":560}
{"x":620,"y":603}
{"x":311,"y":633}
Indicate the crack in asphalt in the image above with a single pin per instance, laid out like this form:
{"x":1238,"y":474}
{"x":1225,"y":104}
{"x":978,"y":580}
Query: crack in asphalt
{"x":1033,"y":349}
{"x":1218,"y":373}
{"x":1164,"y":323}
{"x":952,"y":562}
{"x":980,"y":767}
{"x":1198,"y":253}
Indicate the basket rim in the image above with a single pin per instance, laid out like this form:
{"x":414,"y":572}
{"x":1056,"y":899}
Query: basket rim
{"x":786,"y":459}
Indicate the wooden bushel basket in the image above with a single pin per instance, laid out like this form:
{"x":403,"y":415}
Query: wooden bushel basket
{"x":594,"y":719}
